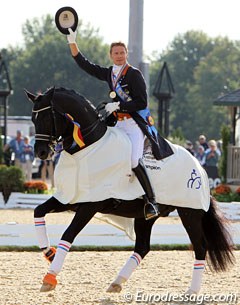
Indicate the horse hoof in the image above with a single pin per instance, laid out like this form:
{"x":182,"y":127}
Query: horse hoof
{"x":115,"y":288}
{"x":47,"y":287}
{"x":49,"y":282}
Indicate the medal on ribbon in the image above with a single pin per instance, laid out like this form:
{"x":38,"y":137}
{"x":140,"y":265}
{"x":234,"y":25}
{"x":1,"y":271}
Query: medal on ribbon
{"x":115,"y":80}
{"x":112,"y":94}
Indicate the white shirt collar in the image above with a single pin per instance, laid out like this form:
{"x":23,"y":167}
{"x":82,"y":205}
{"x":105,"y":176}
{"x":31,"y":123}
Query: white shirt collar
{"x":116,"y":69}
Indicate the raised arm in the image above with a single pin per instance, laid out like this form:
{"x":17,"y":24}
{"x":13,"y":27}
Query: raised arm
{"x":72,"y":42}
{"x":95,"y":70}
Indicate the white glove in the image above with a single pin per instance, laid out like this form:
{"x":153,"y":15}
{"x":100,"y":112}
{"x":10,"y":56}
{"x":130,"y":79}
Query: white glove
{"x":71,"y":37}
{"x":111,"y":107}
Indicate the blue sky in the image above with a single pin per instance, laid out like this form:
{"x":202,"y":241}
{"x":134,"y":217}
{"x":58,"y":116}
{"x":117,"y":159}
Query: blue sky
{"x":163,"y":20}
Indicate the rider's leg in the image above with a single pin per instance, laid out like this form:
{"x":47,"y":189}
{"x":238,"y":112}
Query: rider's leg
{"x":151,"y":208}
{"x":137,"y":137}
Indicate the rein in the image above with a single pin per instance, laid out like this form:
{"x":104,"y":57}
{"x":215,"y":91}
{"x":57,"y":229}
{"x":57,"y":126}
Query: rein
{"x":53,"y":141}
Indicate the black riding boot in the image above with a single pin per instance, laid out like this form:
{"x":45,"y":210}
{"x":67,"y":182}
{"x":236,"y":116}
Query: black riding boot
{"x":151,"y":208}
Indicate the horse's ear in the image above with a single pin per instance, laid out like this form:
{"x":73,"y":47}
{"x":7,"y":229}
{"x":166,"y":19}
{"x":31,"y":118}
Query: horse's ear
{"x":30,"y":96}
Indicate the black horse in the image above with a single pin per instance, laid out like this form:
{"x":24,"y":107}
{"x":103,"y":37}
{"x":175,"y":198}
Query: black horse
{"x":54,"y":115}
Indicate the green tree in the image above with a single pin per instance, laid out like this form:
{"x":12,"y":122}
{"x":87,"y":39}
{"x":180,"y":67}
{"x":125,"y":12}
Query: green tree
{"x":45,"y":61}
{"x":183,"y":56}
{"x":217,"y":74}
{"x":201,"y":68}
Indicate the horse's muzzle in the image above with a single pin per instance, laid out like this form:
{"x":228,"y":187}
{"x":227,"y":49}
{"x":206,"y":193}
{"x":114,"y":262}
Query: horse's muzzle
{"x":43,"y":151}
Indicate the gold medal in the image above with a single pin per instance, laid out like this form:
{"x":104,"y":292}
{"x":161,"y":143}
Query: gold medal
{"x":112,"y":94}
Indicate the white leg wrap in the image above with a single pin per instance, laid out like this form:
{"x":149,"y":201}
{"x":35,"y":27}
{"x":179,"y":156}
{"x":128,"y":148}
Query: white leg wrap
{"x":198,"y":269}
{"x":131,"y":264}
{"x":41,"y":232}
{"x":57,"y":263}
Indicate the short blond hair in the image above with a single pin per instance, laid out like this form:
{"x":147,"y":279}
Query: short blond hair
{"x":118,"y":44}
{"x":212,"y":143}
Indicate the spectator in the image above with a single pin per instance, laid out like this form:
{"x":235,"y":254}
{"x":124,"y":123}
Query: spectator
{"x":200,"y":155}
{"x":189,"y":147}
{"x":212,"y":154}
{"x":16,"y":146}
{"x":47,"y":170}
{"x":27,"y":157}
{"x":203,"y":142}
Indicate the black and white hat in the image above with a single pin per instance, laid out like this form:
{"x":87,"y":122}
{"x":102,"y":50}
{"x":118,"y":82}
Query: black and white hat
{"x":66,"y":17}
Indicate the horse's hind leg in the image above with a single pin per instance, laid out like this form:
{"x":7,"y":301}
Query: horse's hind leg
{"x":142,"y":247}
{"x":192,"y":222}
{"x":52,"y":205}
{"x":83,"y":215}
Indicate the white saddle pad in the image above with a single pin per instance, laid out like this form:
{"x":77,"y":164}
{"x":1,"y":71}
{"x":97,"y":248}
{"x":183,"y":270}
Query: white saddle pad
{"x":103,"y":170}
{"x":100,"y":171}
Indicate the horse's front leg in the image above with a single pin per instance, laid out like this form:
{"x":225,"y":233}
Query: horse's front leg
{"x":143,"y":230}
{"x":192,"y":222}
{"x":52,"y":205}
{"x":83,"y":215}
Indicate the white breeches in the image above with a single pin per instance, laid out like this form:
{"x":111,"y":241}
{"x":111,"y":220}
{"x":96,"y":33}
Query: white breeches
{"x":136,"y":137}
{"x":27,"y":170}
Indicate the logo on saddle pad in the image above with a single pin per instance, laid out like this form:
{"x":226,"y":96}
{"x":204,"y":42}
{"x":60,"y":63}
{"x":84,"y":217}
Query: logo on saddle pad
{"x":195,"y":181}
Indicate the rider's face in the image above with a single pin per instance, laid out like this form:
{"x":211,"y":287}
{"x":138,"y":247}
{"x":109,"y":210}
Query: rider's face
{"x":118,"y":55}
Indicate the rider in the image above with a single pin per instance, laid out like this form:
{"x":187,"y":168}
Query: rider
{"x":128,"y":91}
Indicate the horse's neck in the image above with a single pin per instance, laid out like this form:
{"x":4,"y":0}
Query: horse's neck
{"x":82,"y":115}
{"x":72,"y":147}
{"x":77,"y":107}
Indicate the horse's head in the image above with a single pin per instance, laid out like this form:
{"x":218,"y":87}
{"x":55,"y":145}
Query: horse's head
{"x":63,"y":113}
{"x":43,"y":119}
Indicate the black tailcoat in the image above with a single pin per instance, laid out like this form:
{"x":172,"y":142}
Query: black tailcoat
{"x":133,"y":85}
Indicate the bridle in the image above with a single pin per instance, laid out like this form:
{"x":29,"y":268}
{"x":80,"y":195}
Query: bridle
{"x":52,"y":139}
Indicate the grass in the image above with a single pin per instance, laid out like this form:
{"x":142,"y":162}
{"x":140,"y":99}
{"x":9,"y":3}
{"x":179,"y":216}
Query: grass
{"x":155,"y":247}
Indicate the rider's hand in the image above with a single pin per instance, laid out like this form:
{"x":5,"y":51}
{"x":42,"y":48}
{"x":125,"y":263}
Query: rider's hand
{"x":111,"y":107}
{"x":71,"y":37}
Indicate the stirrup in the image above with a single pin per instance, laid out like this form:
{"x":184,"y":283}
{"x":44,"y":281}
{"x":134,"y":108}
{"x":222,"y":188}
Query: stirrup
{"x":50,"y":254}
{"x":150,"y":210}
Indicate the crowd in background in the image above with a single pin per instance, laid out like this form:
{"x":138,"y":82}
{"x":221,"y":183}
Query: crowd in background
{"x":20,"y":152}
{"x":208,"y":153}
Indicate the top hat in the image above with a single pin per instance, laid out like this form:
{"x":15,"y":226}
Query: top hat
{"x":65,"y":18}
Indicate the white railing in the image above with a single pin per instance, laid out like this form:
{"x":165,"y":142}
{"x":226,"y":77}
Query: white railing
{"x":233,"y":164}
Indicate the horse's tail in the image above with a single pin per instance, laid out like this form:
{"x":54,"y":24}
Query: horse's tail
{"x":218,"y":239}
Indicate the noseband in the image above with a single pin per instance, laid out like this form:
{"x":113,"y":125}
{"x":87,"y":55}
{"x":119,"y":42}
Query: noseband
{"x":51,"y":139}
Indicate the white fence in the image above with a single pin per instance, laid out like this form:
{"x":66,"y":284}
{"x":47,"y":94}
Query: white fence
{"x":23,"y":200}
{"x":233,"y":164}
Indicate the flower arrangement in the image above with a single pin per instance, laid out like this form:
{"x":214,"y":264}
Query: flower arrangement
{"x":35,"y":187}
{"x":223,"y":193}
{"x":222,"y":189}
{"x":238,"y":191}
